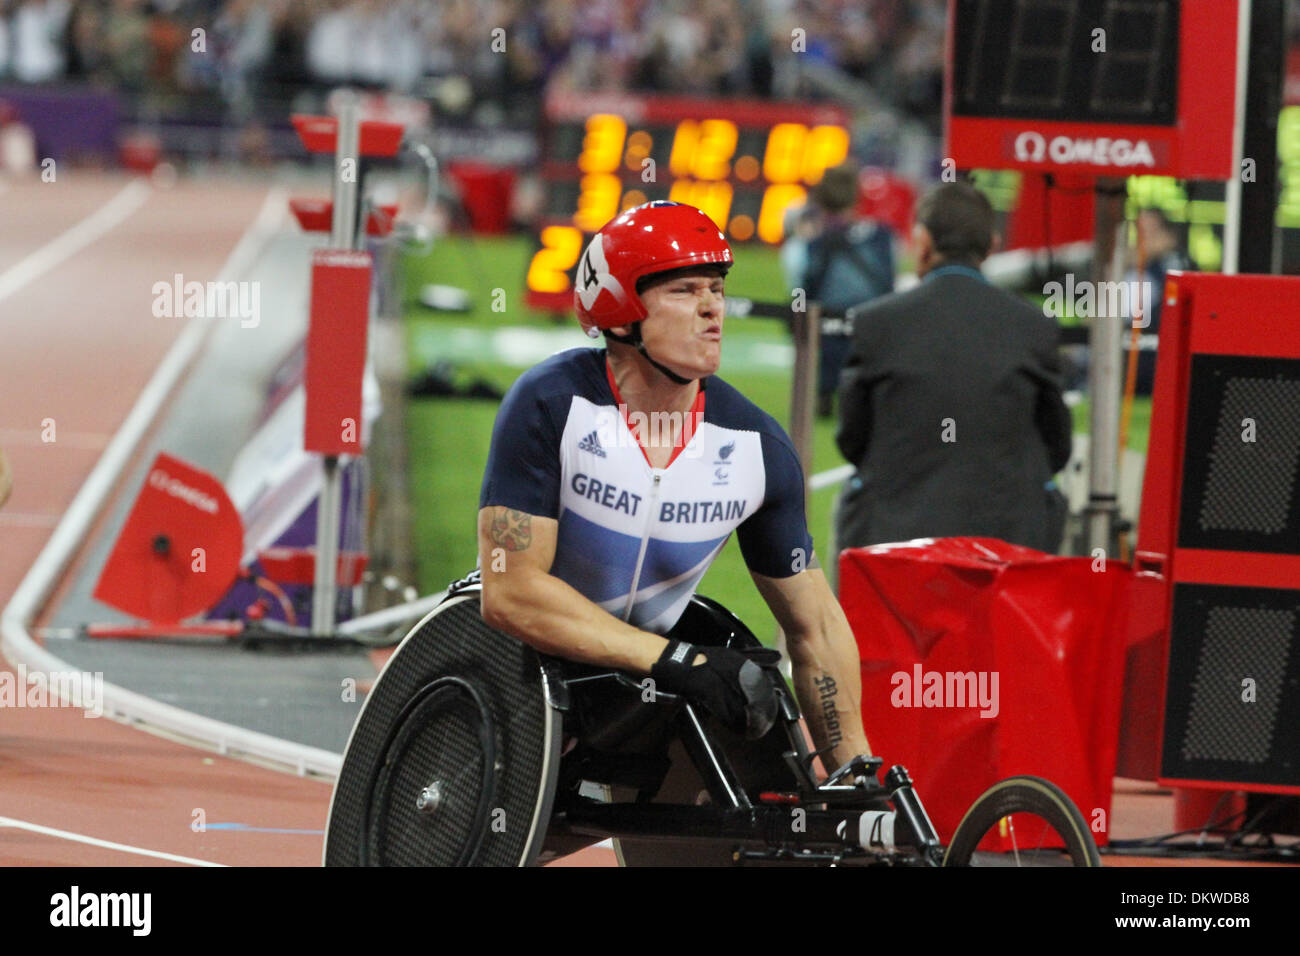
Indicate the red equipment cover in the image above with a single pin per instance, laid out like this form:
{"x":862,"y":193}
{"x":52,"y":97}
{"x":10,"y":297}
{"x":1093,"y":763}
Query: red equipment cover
{"x":336,"y":351}
{"x":155,"y":570}
{"x":319,"y":134}
{"x":1054,"y":214}
{"x":1144,"y":674}
{"x":1044,"y":637}
{"x":887,"y":198}
{"x":487,"y":193}
{"x":317,"y":215}
{"x":298,"y":566}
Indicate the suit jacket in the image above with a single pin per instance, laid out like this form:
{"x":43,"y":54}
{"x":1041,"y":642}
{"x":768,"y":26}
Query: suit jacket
{"x":951,"y":409}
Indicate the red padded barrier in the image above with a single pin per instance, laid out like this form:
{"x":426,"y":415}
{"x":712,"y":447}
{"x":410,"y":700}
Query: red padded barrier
{"x":1044,"y":640}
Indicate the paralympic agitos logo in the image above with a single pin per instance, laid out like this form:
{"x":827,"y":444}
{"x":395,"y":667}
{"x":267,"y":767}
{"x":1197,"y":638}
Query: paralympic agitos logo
{"x":1031,"y":146}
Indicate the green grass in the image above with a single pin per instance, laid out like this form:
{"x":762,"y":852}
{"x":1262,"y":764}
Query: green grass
{"x":448,"y":438}
{"x":1139,"y":428}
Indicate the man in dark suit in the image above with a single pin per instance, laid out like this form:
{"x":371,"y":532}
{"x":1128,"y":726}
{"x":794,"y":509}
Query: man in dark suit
{"x":950,"y":400}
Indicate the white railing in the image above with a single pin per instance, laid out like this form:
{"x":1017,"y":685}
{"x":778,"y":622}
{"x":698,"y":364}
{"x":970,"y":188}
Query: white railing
{"x":30,"y":597}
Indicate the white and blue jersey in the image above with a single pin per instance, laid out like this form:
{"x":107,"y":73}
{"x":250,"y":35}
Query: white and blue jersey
{"x":632,"y":538}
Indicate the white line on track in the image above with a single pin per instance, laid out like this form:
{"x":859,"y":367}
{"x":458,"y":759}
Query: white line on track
{"x":68,"y":243}
{"x":106,"y":844}
{"x":145,"y":712}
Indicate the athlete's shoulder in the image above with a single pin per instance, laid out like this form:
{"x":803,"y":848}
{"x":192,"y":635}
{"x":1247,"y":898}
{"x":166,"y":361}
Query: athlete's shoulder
{"x":726,"y":407}
{"x":523,"y":468}
{"x":553,"y":382}
{"x":573,"y":371}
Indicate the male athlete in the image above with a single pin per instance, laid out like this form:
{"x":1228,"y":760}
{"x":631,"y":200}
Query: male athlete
{"x":595,"y":528}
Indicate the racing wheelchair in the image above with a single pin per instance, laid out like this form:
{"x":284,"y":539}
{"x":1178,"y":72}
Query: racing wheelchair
{"x":472,"y":749}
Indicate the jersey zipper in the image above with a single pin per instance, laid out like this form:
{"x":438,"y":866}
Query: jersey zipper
{"x":645,"y":541}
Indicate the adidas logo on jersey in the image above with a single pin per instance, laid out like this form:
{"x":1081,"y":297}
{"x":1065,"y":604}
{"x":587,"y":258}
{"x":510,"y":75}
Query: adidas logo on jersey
{"x":592,"y":444}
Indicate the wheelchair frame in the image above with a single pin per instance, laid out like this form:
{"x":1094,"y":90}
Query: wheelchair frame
{"x":464,"y":719}
{"x":800,"y":821}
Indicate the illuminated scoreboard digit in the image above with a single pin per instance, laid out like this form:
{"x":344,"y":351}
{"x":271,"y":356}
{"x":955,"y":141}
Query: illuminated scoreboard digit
{"x":742,"y":162}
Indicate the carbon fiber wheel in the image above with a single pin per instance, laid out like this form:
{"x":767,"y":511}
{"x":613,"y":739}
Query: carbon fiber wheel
{"x":430,"y":801}
{"x":454,"y":758}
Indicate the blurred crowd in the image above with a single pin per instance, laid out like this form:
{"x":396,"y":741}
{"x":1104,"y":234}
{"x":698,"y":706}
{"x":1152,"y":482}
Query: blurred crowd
{"x":488,"y":61}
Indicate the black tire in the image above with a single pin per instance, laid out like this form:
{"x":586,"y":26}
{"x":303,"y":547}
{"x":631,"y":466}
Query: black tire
{"x":1031,"y":796}
{"x":454,"y":758}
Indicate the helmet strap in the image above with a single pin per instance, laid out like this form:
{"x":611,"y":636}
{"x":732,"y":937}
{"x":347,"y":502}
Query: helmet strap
{"x":634,"y":339}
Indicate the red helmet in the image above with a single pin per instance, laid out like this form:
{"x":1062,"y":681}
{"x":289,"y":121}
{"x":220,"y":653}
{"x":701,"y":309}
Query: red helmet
{"x":654,"y":237}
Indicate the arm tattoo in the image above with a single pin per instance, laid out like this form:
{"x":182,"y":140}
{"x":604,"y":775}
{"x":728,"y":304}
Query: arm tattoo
{"x":512,"y":530}
{"x":826,"y":693}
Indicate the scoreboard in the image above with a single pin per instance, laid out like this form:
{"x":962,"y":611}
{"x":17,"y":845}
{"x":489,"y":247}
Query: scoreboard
{"x":1105,"y":87}
{"x":742,"y":162}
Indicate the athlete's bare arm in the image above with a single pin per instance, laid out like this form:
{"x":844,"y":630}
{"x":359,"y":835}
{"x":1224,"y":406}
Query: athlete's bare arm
{"x":824,"y":658}
{"x":522,"y":597}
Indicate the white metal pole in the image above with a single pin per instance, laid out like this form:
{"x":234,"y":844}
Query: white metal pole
{"x":1105,"y":380}
{"x":325,"y":589}
{"x":346,"y":172}
{"x":1232,"y":194}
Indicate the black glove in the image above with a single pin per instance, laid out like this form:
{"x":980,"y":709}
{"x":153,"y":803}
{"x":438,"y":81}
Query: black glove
{"x":731,"y":685}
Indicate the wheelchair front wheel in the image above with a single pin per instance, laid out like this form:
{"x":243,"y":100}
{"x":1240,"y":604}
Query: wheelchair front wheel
{"x":1041,"y":823}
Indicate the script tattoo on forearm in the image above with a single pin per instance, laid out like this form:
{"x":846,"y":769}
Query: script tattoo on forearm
{"x":512,"y":530}
{"x":826,"y":693}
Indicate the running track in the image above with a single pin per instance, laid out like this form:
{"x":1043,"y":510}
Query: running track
{"x":78,"y":258}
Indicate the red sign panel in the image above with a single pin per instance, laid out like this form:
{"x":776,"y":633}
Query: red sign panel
{"x":1099,"y":86}
{"x":336,"y":351}
{"x":1220,"y":521}
{"x":179,"y":550}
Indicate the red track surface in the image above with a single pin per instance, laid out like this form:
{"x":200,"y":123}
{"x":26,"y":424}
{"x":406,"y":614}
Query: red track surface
{"x":79,"y":344}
